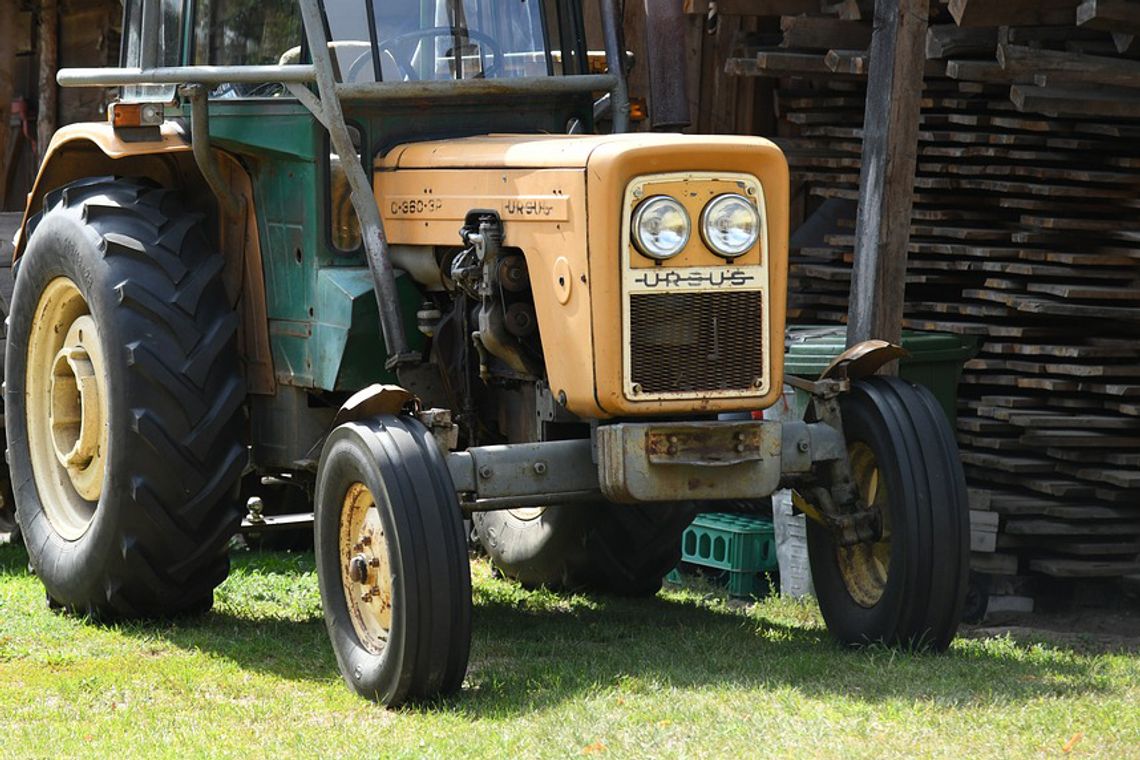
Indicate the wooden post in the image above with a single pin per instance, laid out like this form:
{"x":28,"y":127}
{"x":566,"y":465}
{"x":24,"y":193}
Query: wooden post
{"x":886,"y":179}
{"x":8,"y":46}
{"x":49,"y":62}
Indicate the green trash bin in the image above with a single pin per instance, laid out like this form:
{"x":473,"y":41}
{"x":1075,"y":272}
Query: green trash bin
{"x":935,"y":360}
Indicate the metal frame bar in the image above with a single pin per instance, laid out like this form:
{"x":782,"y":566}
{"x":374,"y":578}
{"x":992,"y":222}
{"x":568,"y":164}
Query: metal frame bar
{"x":615,"y":60}
{"x":299,"y":73}
{"x":472,"y":88}
{"x":200,"y":143}
{"x":363,"y":198}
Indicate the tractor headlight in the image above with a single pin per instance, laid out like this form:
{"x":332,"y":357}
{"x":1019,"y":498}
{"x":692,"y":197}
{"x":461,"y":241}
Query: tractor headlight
{"x":730,"y":225}
{"x":661,"y":227}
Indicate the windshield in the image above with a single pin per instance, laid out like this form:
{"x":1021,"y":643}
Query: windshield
{"x":401,"y":41}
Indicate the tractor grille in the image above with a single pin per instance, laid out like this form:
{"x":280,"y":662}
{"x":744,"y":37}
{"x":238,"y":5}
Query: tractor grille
{"x":696,"y":342}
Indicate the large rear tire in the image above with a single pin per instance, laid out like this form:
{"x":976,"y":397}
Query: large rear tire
{"x":9,"y":528}
{"x":612,"y":548}
{"x":392,"y":561}
{"x":124,"y":402}
{"x":908,"y":588}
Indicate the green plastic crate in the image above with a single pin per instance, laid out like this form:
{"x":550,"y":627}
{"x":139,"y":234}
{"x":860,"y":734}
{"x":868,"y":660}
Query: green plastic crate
{"x":935,"y":360}
{"x":743,"y":546}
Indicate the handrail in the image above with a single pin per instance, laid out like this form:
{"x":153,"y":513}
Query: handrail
{"x":115,"y":77}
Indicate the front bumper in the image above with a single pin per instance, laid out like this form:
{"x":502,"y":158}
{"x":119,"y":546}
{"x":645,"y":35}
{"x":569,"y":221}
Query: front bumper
{"x":647,"y":462}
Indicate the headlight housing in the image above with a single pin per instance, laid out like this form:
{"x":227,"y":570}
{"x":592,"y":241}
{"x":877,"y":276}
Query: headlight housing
{"x":661,"y":227}
{"x":730,"y":225}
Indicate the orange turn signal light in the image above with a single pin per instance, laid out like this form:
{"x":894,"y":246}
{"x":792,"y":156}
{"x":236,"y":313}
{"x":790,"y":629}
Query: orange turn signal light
{"x":135,"y":115}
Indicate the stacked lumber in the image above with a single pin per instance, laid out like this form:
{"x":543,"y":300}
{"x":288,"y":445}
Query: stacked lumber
{"x":1025,"y":234}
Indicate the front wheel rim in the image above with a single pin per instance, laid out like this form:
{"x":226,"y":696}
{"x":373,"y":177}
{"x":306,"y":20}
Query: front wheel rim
{"x":66,"y":408}
{"x":865,"y":567}
{"x":365,"y":568}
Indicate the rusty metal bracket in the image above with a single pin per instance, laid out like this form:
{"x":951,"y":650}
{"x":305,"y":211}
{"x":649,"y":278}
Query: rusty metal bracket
{"x":818,"y":388}
{"x":850,"y":528}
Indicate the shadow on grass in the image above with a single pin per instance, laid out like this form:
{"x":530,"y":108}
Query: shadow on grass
{"x":13,"y":560}
{"x":533,"y":650}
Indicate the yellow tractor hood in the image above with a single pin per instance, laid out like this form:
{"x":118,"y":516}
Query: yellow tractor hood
{"x":542,"y":151}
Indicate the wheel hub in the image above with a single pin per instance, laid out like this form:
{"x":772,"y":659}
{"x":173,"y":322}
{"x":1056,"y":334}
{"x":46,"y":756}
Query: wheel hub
{"x":66,"y":407}
{"x":76,"y":406}
{"x":865,"y":566}
{"x":366,"y":574}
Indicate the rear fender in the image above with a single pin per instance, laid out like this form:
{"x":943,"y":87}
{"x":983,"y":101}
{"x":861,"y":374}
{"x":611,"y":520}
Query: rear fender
{"x":95,"y":149}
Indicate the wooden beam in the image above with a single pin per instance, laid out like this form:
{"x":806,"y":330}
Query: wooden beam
{"x":1077,"y":100}
{"x":886,"y":179}
{"x":1013,"y":12}
{"x":1118,"y":16}
{"x":753,"y":7}
{"x":8,"y":45}
{"x":49,"y":63}
{"x":949,"y":40}
{"x":821,"y":33}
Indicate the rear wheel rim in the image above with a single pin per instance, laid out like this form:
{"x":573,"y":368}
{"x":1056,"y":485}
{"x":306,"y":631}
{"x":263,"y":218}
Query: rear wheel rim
{"x":526,"y":514}
{"x":366,"y":570}
{"x":865,"y":567}
{"x":66,"y":408}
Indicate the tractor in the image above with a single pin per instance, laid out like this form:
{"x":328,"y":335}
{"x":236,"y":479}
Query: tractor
{"x":408,"y":261}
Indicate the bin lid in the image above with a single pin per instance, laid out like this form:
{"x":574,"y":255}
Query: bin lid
{"x":811,"y":348}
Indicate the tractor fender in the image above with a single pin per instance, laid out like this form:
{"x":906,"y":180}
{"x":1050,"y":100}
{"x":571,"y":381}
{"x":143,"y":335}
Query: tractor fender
{"x":863,"y":359}
{"x":95,"y":149}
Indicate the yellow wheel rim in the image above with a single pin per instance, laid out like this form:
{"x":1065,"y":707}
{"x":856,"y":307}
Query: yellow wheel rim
{"x":66,"y":405}
{"x":865,"y":567}
{"x":365,"y":568}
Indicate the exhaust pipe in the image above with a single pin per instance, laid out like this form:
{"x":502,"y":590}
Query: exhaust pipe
{"x":665,"y":48}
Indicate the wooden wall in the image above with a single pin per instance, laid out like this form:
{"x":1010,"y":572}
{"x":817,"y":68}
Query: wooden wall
{"x":86,"y":34}
{"x":718,"y":104}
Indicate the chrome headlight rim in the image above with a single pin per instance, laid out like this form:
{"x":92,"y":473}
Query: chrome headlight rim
{"x":639,"y":214}
{"x":710,"y":239}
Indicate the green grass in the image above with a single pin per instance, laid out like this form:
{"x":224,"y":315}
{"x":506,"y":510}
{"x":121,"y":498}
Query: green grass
{"x":682,"y":675}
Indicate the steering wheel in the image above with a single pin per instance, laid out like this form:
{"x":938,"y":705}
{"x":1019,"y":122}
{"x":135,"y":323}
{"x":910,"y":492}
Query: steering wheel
{"x":431,"y":32}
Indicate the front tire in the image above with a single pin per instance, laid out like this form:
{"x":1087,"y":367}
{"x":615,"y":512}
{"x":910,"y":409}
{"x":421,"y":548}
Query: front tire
{"x":908,"y":588}
{"x":392,"y":561}
{"x":124,"y":402}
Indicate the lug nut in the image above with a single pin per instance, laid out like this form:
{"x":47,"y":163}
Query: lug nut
{"x":485,"y":472}
{"x":803,"y":446}
{"x":358,"y":568}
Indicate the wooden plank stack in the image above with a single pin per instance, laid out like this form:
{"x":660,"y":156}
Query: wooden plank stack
{"x":1025,"y":234}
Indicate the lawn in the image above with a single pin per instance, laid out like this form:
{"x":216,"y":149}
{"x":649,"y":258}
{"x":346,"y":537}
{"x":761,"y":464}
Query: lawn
{"x":685,"y":674}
